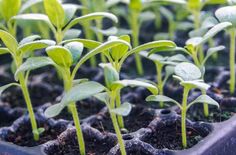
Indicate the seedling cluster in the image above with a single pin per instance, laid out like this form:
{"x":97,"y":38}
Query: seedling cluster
{"x":77,"y":33}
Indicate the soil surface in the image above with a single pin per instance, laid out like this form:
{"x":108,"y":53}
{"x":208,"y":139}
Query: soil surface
{"x":24,"y":137}
{"x":170,"y":137}
{"x":138,"y":118}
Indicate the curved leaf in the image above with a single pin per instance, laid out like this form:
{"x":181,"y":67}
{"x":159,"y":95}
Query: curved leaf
{"x":55,"y":12}
{"x":9,"y":41}
{"x":3,"y":88}
{"x":28,"y":4}
{"x":91,"y":16}
{"x":110,"y":74}
{"x":227,"y":14}
{"x":4,"y":51}
{"x":134,"y":83}
{"x":196,"y":84}
{"x":122,"y":110}
{"x":35,"y":45}
{"x":9,"y":8}
{"x":54,"y":110}
{"x":60,"y":55}
{"x":188,"y":71}
{"x":76,"y":49}
{"x":204,"y":99}
{"x":33,"y":63}
{"x":212,"y":51}
{"x":69,"y":10}
{"x":29,"y":39}
{"x":161,"y":98}
{"x":90,"y":44}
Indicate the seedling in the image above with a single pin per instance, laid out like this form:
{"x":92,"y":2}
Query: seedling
{"x":189,"y":77}
{"x":227,"y":14}
{"x":113,"y":88}
{"x":59,"y":18}
{"x":19,"y":51}
{"x":164,"y":62}
{"x":192,"y":49}
{"x":63,"y":58}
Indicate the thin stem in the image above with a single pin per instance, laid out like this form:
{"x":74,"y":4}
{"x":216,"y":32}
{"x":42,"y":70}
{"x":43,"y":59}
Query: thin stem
{"x":183,"y":117}
{"x":59,"y":36}
{"x":159,"y":68}
{"x":118,"y":104}
{"x":232,"y":60}
{"x":86,"y":27}
{"x":135,"y":39}
{"x":29,"y":106}
{"x":72,"y":108}
{"x":116,"y":126}
{"x":79,"y":132}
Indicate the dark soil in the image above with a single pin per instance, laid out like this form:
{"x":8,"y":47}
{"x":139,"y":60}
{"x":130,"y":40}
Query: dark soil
{"x":8,"y":116}
{"x":169,"y":137}
{"x":138,"y":118}
{"x":85,"y":108}
{"x":24,"y":137}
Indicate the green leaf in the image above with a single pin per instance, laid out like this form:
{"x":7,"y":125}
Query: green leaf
{"x":29,"y":39}
{"x":212,"y":51}
{"x":214,"y":30}
{"x":105,"y":32}
{"x":60,"y":55}
{"x":153,"y":57}
{"x":119,"y":51}
{"x":89,"y":17}
{"x":103,"y":97}
{"x":33,"y":63}
{"x":204,"y":99}
{"x":79,"y":81}
{"x":9,"y":41}
{"x":76,"y":93}
{"x":134,"y":83}
{"x":71,"y":34}
{"x":194,"y":4}
{"x":55,"y":12}
{"x":178,"y":58}
{"x":161,"y":98}
{"x":28,"y":4}
{"x":123,"y":110}
{"x":35,"y":17}
{"x":76,"y":49}
{"x":196,"y":84}
{"x":3,"y":88}
{"x":69,"y":10}
{"x":168,"y":2}
{"x":188,"y":71}
{"x":209,"y":22}
{"x":90,"y":44}
{"x":135,"y":5}
{"x":35,"y":45}
{"x":195,"y":41}
{"x":9,"y":8}
{"x":110,"y":74}
{"x":4,"y":51}
{"x":227,"y":14}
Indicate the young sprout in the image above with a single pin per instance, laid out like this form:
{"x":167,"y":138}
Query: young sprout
{"x":63,"y":58}
{"x":189,"y":77}
{"x":113,"y":88}
{"x":192,"y":49}
{"x":118,"y":54}
{"x":59,"y":18}
{"x":8,"y":9}
{"x":19,"y":51}
{"x":162,"y":62}
{"x":228,"y":14}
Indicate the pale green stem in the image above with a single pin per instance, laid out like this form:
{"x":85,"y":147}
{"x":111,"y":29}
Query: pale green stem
{"x":118,"y":104}
{"x":59,"y":36}
{"x":116,"y":126}
{"x":72,"y":107}
{"x":205,"y":106}
{"x":183,"y":117}
{"x":26,"y":95}
{"x":135,"y":39}
{"x":159,"y":68}
{"x":232,"y":60}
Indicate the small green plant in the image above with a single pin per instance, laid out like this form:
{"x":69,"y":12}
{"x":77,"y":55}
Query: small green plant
{"x":19,"y":51}
{"x":189,"y":76}
{"x":192,"y":49}
{"x":113,"y":88}
{"x":162,"y":62}
{"x":59,"y":18}
{"x":63,"y":58}
{"x":227,"y":14}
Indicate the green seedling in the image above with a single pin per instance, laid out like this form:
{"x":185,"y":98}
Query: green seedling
{"x":227,"y":14}
{"x":59,"y":18}
{"x":19,"y":51}
{"x":162,"y":62}
{"x":192,"y":49}
{"x":113,"y":88}
{"x":189,"y":76}
{"x":64,"y":58}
